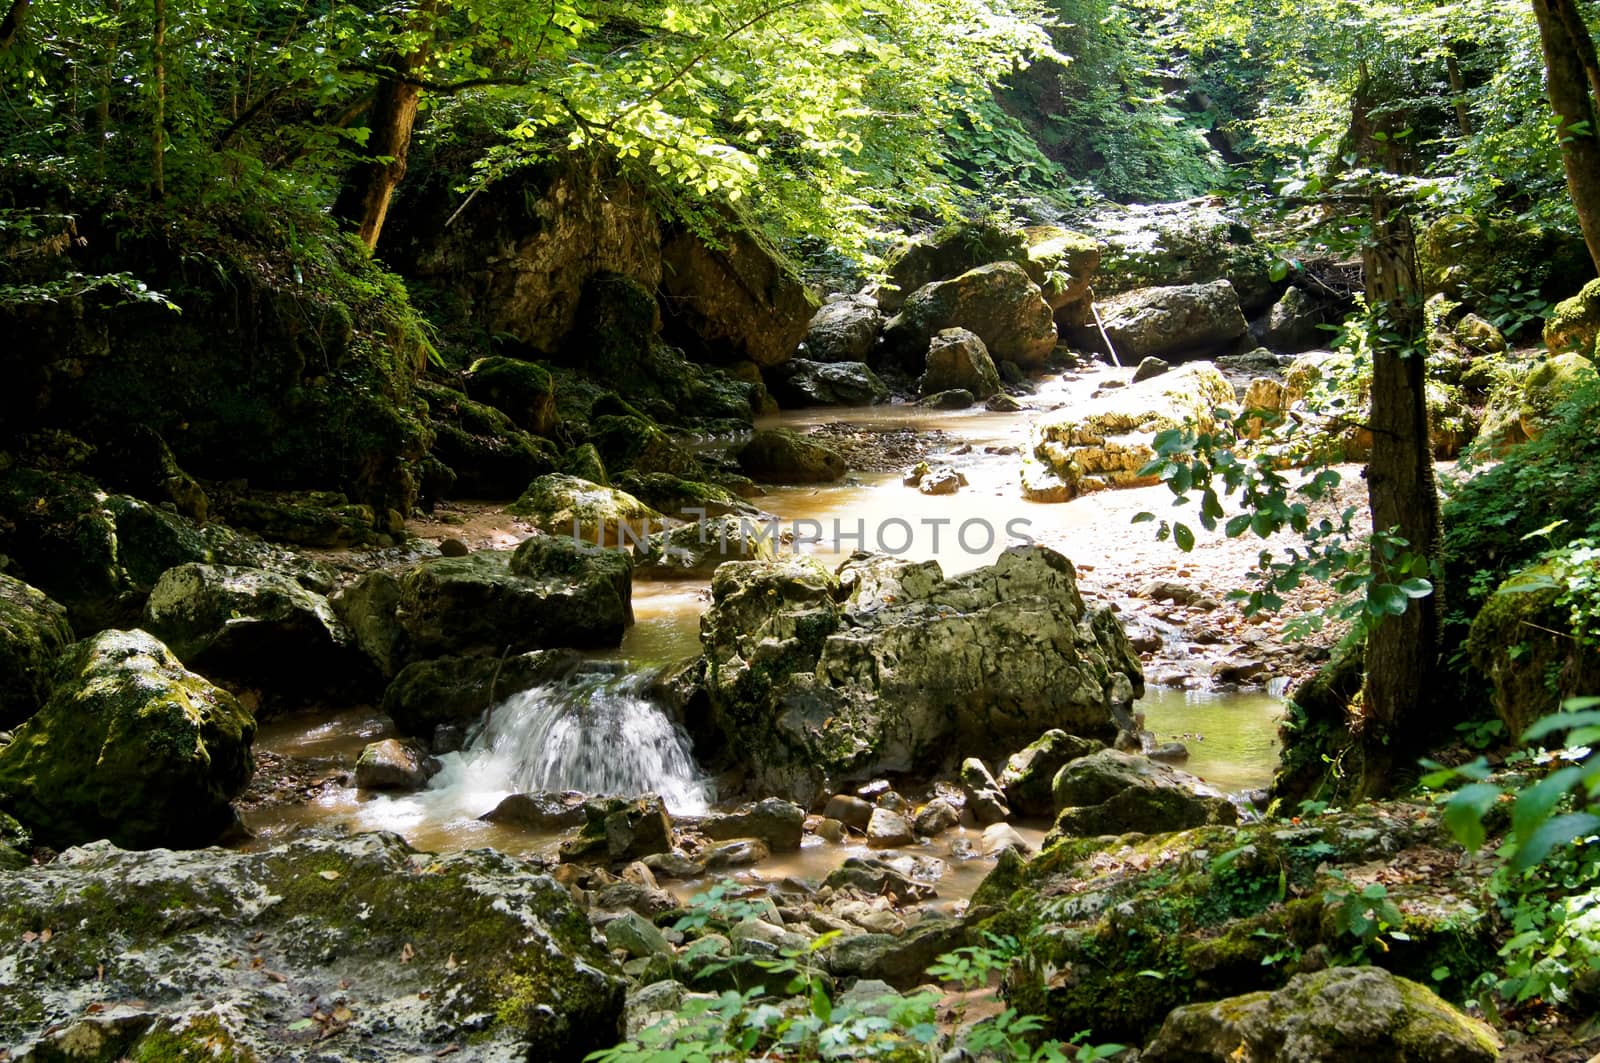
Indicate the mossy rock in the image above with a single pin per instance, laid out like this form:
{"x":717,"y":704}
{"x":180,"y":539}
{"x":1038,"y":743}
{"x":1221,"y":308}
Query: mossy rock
{"x":415,"y":954}
{"x":457,"y":691}
{"x":997,"y":302}
{"x":1549,"y":384}
{"x":1062,"y":263}
{"x":696,"y":550}
{"x":777,"y":455}
{"x":585,"y":463}
{"x":488,"y":454}
{"x":639,"y":444}
{"x":521,"y":390}
{"x":559,"y":504}
{"x":1471,"y":257}
{"x":952,"y":251}
{"x":325,"y":519}
{"x":131,"y":746}
{"x":684,"y":499}
{"x":33,"y":632}
{"x":1316,"y":729}
{"x":1574,"y":324}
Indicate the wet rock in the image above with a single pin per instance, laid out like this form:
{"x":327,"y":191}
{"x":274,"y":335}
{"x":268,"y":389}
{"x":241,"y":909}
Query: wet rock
{"x":955,"y":399}
{"x":957,"y":359}
{"x":739,"y":852}
{"x":1107,"y":441}
{"x":1170,"y":752}
{"x":1030,"y":773}
{"x":1149,"y":368}
{"x":780,"y":456}
{"x":539,"y":812}
{"x":845,"y":330}
{"x":33,"y":632}
{"x":830,"y":830}
{"x":984,"y":796}
{"x":778,"y":823}
{"x":395,"y":764}
{"x":914,"y":475}
{"x":1171,"y":323}
{"x":852,"y":811}
{"x":130,"y":746}
{"x":520,"y":390}
{"x":621,"y":830}
{"x":1002,"y":403}
{"x":998,"y":837}
{"x":801,"y":382}
{"x":689,"y":499}
{"x":675,"y":864}
{"x":890,"y":667}
{"x":887,"y":830}
{"x":242,"y":624}
{"x":453,"y":547}
{"x":936,"y":817}
{"x":1112,"y":792}
{"x":349,"y":921}
{"x":1339,"y":1013}
{"x":997,"y":302}
{"x":942,"y":481}
{"x":637,"y":936}
{"x":695,"y":550}
{"x":900,"y":961}
{"x":894,"y":802}
{"x":558,"y":504}
{"x":874,"y":876}
{"x":1010,"y":874}
{"x":457,"y":691}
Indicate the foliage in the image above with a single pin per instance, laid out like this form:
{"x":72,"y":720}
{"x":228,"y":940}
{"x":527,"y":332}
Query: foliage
{"x":1368,"y":915}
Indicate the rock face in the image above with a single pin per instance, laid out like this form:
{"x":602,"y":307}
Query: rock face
{"x":246,"y":624}
{"x":802,"y":382}
{"x":558,"y":504}
{"x":363,"y":925}
{"x":845,"y":330}
{"x":1110,"y":792}
{"x":814,"y":679}
{"x":550,"y":592}
{"x":737,"y":302}
{"x":779,"y":456}
{"x":1106,"y":441}
{"x":1339,"y":1013}
{"x":958,"y":359}
{"x":1172,"y":323}
{"x":997,"y":302}
{"x":33,"y":632}
{"x":131,"y":747}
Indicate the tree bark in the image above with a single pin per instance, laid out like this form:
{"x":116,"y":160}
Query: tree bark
{"x":1402,"y":651}
{"x":11,"y":27}
{"x":1458,"y":94}
{"x":1572,"y":79}
{"x":158,"y":163}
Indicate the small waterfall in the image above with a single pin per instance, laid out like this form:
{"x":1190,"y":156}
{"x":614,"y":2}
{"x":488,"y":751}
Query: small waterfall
{"x":596,"y":732}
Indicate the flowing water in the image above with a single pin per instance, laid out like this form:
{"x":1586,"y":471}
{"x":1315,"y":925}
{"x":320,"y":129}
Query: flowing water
{"x":599,"y":733}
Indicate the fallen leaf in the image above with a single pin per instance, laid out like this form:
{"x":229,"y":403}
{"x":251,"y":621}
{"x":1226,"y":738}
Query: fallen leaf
{"x":343,"y":1014}
{"x":276,"y":977}
{"x":407,"y":953}
{"x":329,"y":875}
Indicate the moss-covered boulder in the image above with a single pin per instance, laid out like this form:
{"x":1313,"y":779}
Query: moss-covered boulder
{"x":15,"y":841}
{"x":457,"y":691}
{"x":1549,"y":384}
{"x":948,"y":253}
{"x":131,"y":746}
{"x":559,"y":504}
{"x":1062,"y":262}
{"x":803,"y":382}
{"x":1339,"y":1013}
{"x":740,"y":300}
{"x":814,"y":680}
{"x":254,"y":628}
{"x":630,"y":442}
{"x":33,"y":632}
{"x":1522,"y":640}
{"x":1471,"y":257}
{"x":1573,"y":325}
{"x":520,"y":390}
{"x":585,"y":463}
{"x":406,"y":954}
{"x":488,"y":454}
{"x":958,"y":359}
{"x":696,"y":550}
{"x":1029,"y":775}
{"x":779,"y":456}
{"x":1111,"y":792}
{"x":1192,"y":242}
{"x":1105,"y":442}
{"x":685,"y":499}
{"x":999,"y":302}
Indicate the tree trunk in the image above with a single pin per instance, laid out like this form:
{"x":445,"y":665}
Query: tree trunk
{"x":1571,"y":72}
{"x":158,"y":164}
{"x":11,"y":26}
{"x":1458,"y":94}
{"x":364,"y":201}
{"x":1402,"y":651}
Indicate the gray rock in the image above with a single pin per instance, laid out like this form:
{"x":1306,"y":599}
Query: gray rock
{"x":887,"y":830}
{"x":1337,"y":1014}
{"x":33,"y":632}
{"x":875,"y":876}
{"x":539,"y":812}
{"x":1112,"y":792}
{"x":1185,"y":321}
{"x":830,"y":830}
{"x":455,"y":692}
{"x":1002,"y":403}
{"x":1030,"y":773}
{"x":777,"y":455}
{"x":849,"y":810}
{"x":739,"y":852}
{"x":998,"y":837}
{"x":560,"y":504}
{"x":845,"y":330}
{"x":997,"y":302}
{"x":958,"y":359}
{"x":637,"y":936}
{"x":936,"y":817}
{"x":693,"y":551}
{"x":778,"y":823}
{"x":1149,"y":367}
{"x":955,"y":399}
{"x":1292,"y":323}
{"x":675,"y":864}
{"x":801,"y":382}
{"x":942,"y":481}
{"x":984,"y":796}
{"x":900,"y":961}
{"x":395,"y":764}
{"x":621,"y":830}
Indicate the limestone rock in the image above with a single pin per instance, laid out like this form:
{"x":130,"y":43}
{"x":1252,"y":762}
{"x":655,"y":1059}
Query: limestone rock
{"x":736,"y":852}
{"x":558,"y":504}
{"x":457,"y":691}
{"x":1111,"y":792}
{"x":778,"y":823}
{"x":845,"y":330}
{"x":395,"y":764}
{"x":957,"y":358}
{"x":1192,"y":242}
{"x":740,"y":300}
{"x":621,"y":830}
{"x":936,"y":817}
{"x":1030,"y":774}
{"x":997,"y":302}
{"x":1172,"y":323}
{"x":695,"y":550}
{"x":949,"y":253}
{"x":802,"y":382}
{"x":888,"y":830}
{"x":851,"y":811}
{"x":1292,"y":323}
{"x":542,"y":812}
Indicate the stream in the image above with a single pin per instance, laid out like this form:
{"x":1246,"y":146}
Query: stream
{"x":595,"y":732}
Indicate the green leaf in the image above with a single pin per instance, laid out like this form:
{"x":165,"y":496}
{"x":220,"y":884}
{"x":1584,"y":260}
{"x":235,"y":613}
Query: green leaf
{"x":1385,"y":599}
{"x":1558,"y":831}
{"x":1183,"y":536}
{"x":1561,"y":721}
{"x":1236,"y":526}
{"x":1143,"y":517}
{"x":1416,"y":588}
{"x":1535,"y":804}
{"x":1465,"y":810}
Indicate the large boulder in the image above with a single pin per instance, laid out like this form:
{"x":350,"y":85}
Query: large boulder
{"x":1193,"y":242}
{"x":551,"y":592}
{"x":998,"y":302}
{"x":520,"y":390}
{"x":457,"y":691}
{"x":1176,"y":322}
{"x":244,"y":625}
{"x":1294,"y":324}
{"x":778,"y":823}
{"x":626,"y":441}
{"x":1340,"y":1013}
{"x":844,"y":330}
{"x":131,"y":746}
{"x":779,"y":456}
{"x":1029,"y":776}
{"x":1522,"y":639}
{"x":1111,"y":792}
{"x":486,"y":454}
{"x":33,"y":632}
{"x":399,"y":953}
{"x":816,"y":679}
{"x":948,"y":253}
{"x":1550,"y":383}
{"x":741,"y":300}
{"x":683,"y":499}
{"x":559,"y":504}
{"x":1106,"y":442}
{"x":802,"y":382}
{"x":1573,"y":325}
{"x":1063,"y":262}
{"x":1471,"y":257}
{"x":958,"y":359}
